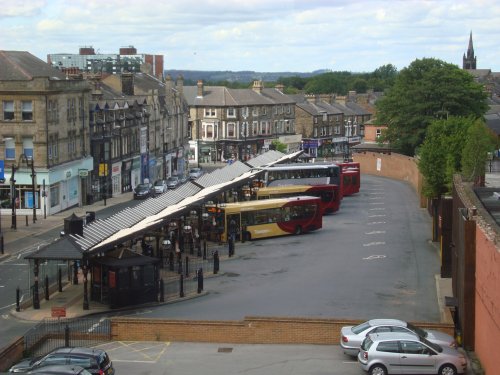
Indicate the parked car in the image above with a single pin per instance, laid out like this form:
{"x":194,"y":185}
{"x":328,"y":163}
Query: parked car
{"x":60,"y":370}
{"x":160,"y":186}
{"x":351,"y":337}
{"x":194,"y":173}
{"x":143,"y":191}
{"x":95,"y":361}
{"x":397,"y":353}
{"x":172,"y":182}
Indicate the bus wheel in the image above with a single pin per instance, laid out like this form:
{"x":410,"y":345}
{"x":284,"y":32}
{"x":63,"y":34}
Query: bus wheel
{"x":298,"y":230}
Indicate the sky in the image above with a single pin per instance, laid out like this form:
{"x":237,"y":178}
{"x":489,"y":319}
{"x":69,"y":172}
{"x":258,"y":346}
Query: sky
{"x":260,"y":35}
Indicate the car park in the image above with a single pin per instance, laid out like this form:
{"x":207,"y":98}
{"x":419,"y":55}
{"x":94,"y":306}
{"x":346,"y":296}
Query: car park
{"x":143,"y":191}
{"x":195,"y":173}
{"x":95,"y":361}
{"x":173,"y":182}
{"x":405,"y":353}
{"x":351,"y":337}
{"x":60,"y":370}
{"x":160,"y":186}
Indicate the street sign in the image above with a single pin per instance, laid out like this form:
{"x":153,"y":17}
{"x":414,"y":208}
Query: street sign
{"x":58,"y":311}
{"x":2,"y":170}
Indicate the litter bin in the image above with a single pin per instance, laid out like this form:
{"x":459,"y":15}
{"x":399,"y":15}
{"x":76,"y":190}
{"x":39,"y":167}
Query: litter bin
{"x":89,"y":217}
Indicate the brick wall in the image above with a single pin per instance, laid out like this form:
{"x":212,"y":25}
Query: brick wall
{"x":487,"y":300}
{"x":396,"y":166}
{"x":251,"y":330}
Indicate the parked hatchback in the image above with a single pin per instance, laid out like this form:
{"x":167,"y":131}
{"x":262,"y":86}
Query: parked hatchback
{"x":172,"y":182}
{"x":351,"y":337}
{"x":143,"y":191}
{"x":194,"y":173}
{"x":95,"y":361}
{"x":404,"y":353}
{"x":160,"y":186}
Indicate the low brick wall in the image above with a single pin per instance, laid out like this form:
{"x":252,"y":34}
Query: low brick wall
{"x":251,"y":330}
{"x":11,"y":354}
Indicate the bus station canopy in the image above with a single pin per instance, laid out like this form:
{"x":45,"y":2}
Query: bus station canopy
{"x":103,"y":234}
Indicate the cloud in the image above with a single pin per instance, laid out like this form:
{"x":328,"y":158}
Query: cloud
{"x":21,"y":8}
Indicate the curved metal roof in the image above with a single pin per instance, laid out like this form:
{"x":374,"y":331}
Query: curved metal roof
{"x":103,"y":234}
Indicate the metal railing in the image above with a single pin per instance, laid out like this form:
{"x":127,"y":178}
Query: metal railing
{"x":55,"y":333}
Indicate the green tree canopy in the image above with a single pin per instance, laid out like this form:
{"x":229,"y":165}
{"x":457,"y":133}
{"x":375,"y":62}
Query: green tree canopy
{"x":454,"y":145}
{"x":426,"y":90}
{"x":479,"y":142}
{"x":440,"y":154}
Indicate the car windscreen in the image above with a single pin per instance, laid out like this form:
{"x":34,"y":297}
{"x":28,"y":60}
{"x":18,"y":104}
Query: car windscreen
{"x":419,"y":331}
{"x":360,"y":328}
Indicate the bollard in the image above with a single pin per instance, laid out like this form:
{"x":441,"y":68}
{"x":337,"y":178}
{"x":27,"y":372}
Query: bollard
{"x":187,"y":266}
{"x":171,"y":261}
{"x":162,"y":291}
{"x":59,"y":279}
{"x":18,"y":299}
{"x":181,"y":286}
{"x":46,"y":287}
{"x":1,"y":243}
{"x":216,"y":262}
{"x":66,"y":336}
{"x":200,"y":280}
{"x":26,"y":220}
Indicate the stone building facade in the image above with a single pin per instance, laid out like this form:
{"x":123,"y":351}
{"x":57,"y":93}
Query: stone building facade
{"x":44,"y":130}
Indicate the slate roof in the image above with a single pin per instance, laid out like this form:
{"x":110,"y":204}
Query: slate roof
{"x":23,"y":66}
{"x":220,"y":96}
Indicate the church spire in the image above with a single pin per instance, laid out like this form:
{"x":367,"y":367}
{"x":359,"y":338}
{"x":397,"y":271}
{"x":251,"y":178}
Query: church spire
{"x":469,"y":59}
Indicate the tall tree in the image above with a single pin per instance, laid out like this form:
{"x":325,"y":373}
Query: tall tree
{"x":426,"y":90}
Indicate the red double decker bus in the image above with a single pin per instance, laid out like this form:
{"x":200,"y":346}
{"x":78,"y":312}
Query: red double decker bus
{"x":351,"y":177}
{"x":329,"y":194}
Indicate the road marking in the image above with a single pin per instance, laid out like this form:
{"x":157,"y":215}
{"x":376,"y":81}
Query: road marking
{"x":374,"y":243}
{"x":371,"y":257}
{"x":377,"y":209}
{"x":376,"y":198}
{"x":377,"y":215}
{"x":376,"y":222}
{"x":376,"y":232}
{"x":374,"y":203}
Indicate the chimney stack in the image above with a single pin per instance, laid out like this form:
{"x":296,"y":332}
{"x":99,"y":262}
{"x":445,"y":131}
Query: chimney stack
{"x":258,"y":86}
{"x":200,"y":89}
{"x":127,"y":83}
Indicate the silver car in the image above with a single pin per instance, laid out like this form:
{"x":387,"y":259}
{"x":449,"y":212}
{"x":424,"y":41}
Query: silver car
{"x":404,"y":353}
{"x":351,"y":337}
{"x":160,"y":186}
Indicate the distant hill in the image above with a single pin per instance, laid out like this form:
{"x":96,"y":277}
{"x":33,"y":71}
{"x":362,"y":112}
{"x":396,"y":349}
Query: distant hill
{"x":241,"y":76}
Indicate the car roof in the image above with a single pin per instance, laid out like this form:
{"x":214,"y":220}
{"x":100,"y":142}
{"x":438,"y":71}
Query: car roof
{"x":385,"y":336}
{"x":387,"y":322}
{"x":79,"y":350}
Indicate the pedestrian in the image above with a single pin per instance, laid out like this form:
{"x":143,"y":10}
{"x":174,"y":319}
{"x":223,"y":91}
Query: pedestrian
{"x":232,"y":229}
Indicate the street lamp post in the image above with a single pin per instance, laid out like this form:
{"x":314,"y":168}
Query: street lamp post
{"x":13,"y":196}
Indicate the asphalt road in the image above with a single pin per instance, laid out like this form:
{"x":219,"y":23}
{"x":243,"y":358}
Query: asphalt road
{"x":372,"y":259}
